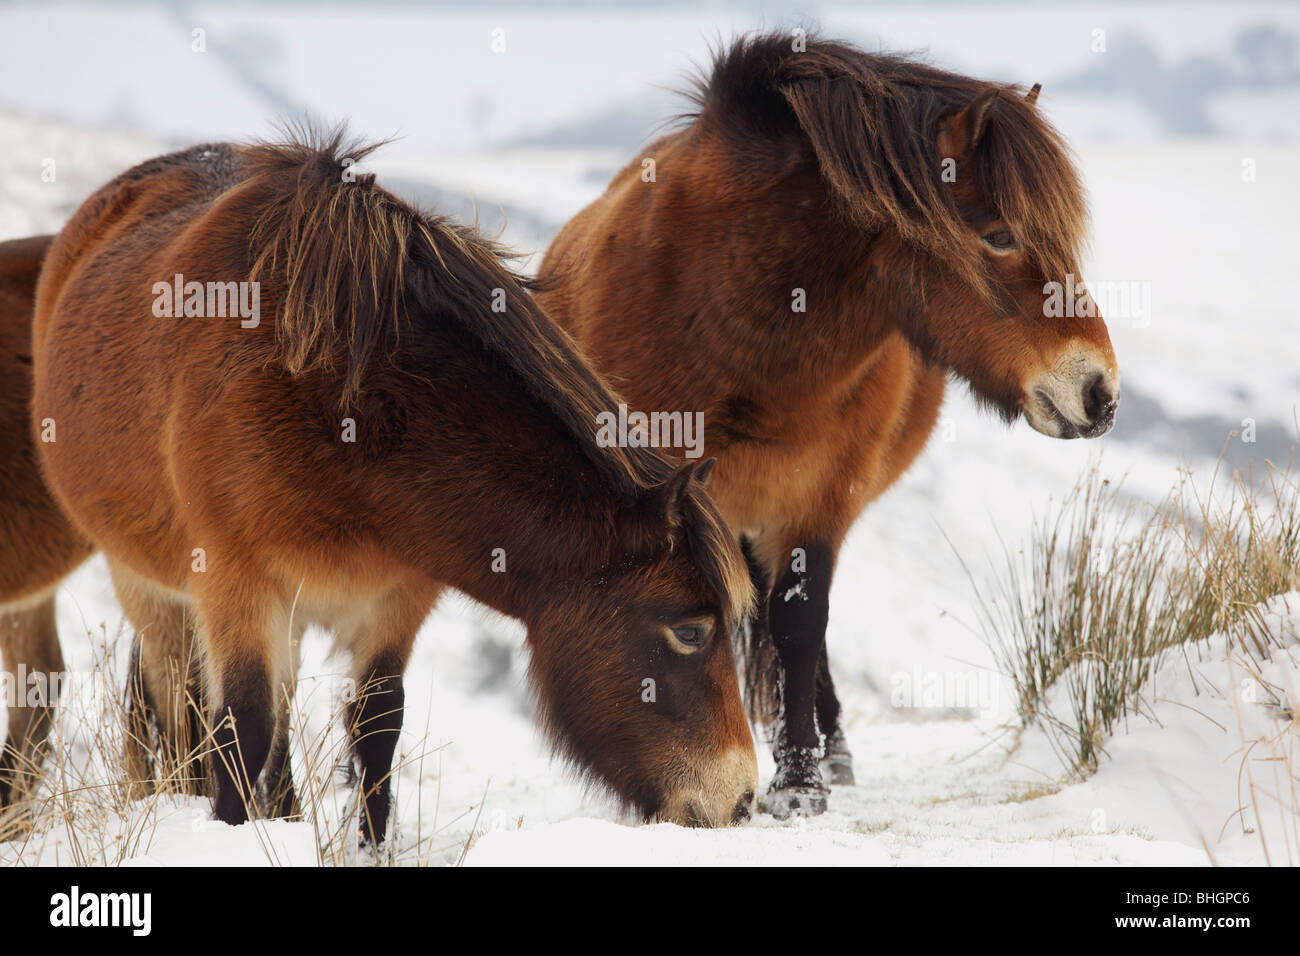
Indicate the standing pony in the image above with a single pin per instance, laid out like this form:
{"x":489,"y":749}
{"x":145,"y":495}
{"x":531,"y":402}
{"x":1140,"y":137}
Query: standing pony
{"x":284,"y":396}
{"x":831,"y":236}
{"x":38,"y":548}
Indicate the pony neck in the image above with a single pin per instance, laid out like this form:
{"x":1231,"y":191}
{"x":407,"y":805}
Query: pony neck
{"x":508,"y":515}
{"x":814,"y":310}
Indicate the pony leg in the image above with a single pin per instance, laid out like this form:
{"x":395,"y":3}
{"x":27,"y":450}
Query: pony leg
{"x":164,"y":690}
{"x":281,"y":799}
{"x":374,"y":722}
{"x":374,"y":715}
{"x":797,"y":614}
{"x":837,"y":764}
{"x":243,"y":665}
{"x":28,"y":638}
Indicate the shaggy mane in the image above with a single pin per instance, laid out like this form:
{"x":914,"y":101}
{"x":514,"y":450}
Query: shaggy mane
{"x":872,"y":120}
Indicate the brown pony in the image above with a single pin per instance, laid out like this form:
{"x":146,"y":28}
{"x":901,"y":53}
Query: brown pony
{"x":387,"y":413}
{"x":831,"y":235}
{"x":38,"y":548}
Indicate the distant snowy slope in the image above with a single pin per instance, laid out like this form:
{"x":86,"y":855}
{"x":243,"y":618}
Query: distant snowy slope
{"x":466,"y":76}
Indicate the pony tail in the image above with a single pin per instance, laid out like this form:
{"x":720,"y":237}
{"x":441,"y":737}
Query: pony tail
{"x":332,"y":247}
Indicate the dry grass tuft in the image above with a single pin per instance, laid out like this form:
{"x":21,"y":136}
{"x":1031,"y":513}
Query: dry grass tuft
{"x":93,"y":807}
{"x":1107,"y":588}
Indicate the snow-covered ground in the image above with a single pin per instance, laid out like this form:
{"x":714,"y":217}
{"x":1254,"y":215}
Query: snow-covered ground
{"x":1214,"y":249}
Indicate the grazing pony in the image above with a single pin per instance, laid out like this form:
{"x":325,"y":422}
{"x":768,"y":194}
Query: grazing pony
{"x":832,"y":234}
{"x":284,"y":396}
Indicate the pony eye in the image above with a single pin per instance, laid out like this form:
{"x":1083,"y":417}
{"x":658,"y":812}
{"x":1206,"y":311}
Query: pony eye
{"x":689,"y":634}
{"x":1000,"y":239}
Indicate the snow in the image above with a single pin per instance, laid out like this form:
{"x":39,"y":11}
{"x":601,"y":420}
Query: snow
{"x":945,"y":782}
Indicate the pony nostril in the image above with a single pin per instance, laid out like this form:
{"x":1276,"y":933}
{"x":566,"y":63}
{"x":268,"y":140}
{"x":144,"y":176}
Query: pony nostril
{"x":1097,"y":398}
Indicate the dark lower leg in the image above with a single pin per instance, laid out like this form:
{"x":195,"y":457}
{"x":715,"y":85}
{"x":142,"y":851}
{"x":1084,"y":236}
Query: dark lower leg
{"x":281,"y":798}
{"x":23,"y":753}
{"x":244,"y":725}
{"x":165,"y":721}
{"x":375,"y":721}
{"x":33,"y":663}
{"x":797,"y":613}
{"x":139,"y":746}
{"x":166,"y":710}
{"x":193,"y":773}
{"x":837,"y":764}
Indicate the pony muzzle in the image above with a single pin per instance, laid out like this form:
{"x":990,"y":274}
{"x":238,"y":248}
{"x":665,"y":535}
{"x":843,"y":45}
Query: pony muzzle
{"x":726,"y":800}
{"x":1076,"y":398}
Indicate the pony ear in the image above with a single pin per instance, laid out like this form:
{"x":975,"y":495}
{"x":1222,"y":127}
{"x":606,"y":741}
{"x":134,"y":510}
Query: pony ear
{"x":672,"y":491}
{"x":664,"y":502}
{"x":1031,"y":97}
{"x":661,"y":512}
{"x":960,"y":133}
{"x":704,"y":470}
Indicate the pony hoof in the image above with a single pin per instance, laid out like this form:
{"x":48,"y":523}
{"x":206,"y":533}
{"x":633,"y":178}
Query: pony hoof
{"x":797,"y":788}
{"x":794,"y":802}
{"x":838,"y":771}
{"x":837,"y":765}
{"x":382,"y":852}
{"x":357,"y":849}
